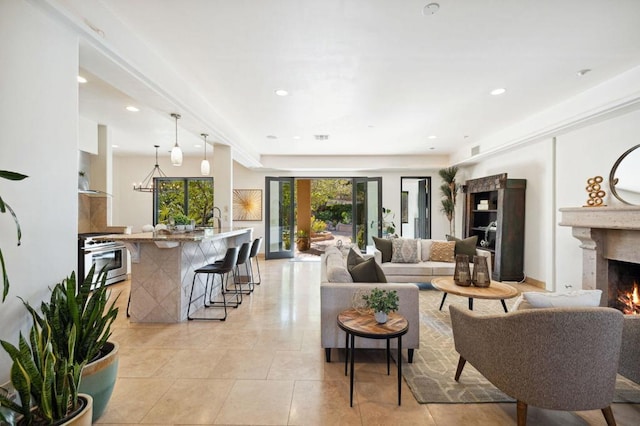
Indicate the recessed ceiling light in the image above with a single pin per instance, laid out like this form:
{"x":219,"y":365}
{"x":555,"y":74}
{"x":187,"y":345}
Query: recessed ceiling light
{"x":115,"y":146}
{"x":281,"y":92}
{"x":583,"y":72}
{"x":296,"y":138}
{"x":132,"y":108}
{"x":430,"y":9}
{"x":432,"y":137}
{"x":81,"y":79}
{"x":197,"y":145}
{"x":498,"y":91}
{"x":272,"y":137}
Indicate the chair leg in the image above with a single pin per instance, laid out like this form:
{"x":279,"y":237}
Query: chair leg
{"x":327,"y":354}
{"x":608,"y":416}
{"x":258,"y":268}
{"x":461,"y":363}
{"x":410,"y":355}
{"x":521,"y":413}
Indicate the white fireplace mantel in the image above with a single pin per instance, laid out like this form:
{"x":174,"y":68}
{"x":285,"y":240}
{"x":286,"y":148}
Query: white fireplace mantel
{"x":619,"y":217}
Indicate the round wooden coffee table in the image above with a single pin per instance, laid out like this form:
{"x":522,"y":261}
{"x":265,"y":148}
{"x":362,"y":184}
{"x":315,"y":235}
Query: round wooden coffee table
{"x":354,"y":323}
{"x":496,"y":291}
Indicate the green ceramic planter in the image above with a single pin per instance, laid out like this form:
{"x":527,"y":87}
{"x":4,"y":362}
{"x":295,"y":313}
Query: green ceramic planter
{"x":99,"y":378}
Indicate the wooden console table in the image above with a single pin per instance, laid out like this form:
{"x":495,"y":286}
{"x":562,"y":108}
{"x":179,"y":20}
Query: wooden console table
{"x":364,"y":325}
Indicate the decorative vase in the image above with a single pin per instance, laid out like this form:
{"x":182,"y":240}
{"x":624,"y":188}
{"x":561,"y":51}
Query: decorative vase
{"x":99,"y":378}
{"x":381,"y":317}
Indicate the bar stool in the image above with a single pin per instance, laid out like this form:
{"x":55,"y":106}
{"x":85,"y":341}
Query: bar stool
{"x":223,"y":269}
{"x":253,"y":256}
{"x":240,"y":279}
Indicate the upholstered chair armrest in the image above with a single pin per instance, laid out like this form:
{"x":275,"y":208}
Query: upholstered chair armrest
{"x":630,"y":351}
{"x":487,"y":254}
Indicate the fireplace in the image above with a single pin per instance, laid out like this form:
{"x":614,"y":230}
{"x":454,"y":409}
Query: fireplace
{"x":623,"y":286}
{"x":610,"y":242}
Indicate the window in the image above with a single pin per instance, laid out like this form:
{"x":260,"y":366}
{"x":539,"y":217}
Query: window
{"x":190,"y":196}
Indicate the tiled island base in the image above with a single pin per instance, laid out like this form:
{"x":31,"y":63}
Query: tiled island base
{"x":162,"y":270}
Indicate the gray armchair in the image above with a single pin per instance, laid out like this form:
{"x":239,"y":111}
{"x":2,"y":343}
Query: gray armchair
{"x":556,"y":358}
{"x":629,"y":353}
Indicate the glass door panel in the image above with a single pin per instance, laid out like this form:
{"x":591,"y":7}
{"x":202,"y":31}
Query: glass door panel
{"x":279,"y":218}
{"x":367,"y":210}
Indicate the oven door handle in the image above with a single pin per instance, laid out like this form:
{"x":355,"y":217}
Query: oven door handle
{"x":103,"y":249}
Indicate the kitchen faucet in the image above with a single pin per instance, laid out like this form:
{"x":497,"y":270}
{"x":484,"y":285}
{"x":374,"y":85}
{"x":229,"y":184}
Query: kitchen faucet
{"x":217,"y":218}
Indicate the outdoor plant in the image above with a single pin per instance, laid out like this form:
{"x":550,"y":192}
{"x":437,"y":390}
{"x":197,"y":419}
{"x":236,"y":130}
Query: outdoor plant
{"x":382,"y":300}
{"x":4,"y":207}
{"x":181,"y":219}
{"x":388,"y":225}
{"x":74,"y":310}
{"x":449,"y":191}
{"x":318,"y":225}
{"x":46,"y":382}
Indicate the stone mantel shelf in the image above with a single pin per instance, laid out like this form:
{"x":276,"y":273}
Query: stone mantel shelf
{"x":619,"y":217}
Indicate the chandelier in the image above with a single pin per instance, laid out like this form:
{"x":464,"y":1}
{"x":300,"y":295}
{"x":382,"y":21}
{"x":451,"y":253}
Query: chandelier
{"x":147,"y":183}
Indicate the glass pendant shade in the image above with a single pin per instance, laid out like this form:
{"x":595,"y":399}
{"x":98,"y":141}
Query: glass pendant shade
{"x":176,"y":156}
{"x":176,"y":152}
{"x":205,"y":168}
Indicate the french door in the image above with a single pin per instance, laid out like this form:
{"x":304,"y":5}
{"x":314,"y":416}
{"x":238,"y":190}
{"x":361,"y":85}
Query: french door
{"x":280,"y":207}
{"x":367,"y":210}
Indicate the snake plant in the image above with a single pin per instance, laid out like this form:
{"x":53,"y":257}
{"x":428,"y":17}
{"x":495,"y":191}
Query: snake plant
{"x":4,"y":207}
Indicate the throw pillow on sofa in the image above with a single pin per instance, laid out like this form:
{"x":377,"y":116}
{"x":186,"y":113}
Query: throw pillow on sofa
{"x":443,"y":251}
{"x":405,"y":250}
{"x":368,"y":272}
{"x":354,"y":257}
{"x":466,"y":246}
{"x":385,"y":246}
{"x":571,"y":299}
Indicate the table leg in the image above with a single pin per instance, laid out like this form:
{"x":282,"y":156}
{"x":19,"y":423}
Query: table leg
{"x":444,"y":296}
{"x":504,"y":306}
{"x":353,"y":355}
{"x":346,"y":353}
{"x":388,"y":357}
{"x":471,"y":303}
{"x":399,"y":361}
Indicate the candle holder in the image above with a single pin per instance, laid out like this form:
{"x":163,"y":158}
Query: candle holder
{"x":462,"y":272}
{"x":481,"y":276}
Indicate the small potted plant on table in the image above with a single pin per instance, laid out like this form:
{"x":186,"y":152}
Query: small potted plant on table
{"x":181,"y":221}
{"x":382,"y":302}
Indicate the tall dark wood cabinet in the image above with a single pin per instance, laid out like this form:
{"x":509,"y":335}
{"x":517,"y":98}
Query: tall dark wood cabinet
{"x":494,"y":211}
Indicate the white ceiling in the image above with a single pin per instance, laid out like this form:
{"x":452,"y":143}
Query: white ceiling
{"x":377,"y":76}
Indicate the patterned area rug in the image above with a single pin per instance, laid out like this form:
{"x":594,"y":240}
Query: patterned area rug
{"x":430,"y":376}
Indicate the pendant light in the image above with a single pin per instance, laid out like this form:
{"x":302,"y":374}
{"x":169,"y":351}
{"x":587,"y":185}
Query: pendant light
{"x":176,"y":152}
{"x":146,"y":185}
{"x":204,"y":166}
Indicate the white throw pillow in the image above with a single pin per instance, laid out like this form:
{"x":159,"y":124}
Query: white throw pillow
{"x":425,"y":249}
{"x":576,"y":298}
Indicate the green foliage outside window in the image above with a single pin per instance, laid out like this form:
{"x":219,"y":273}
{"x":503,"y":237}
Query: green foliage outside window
{"x":192,"y":197}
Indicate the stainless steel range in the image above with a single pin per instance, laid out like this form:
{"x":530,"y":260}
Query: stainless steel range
{"x":105,"y":254}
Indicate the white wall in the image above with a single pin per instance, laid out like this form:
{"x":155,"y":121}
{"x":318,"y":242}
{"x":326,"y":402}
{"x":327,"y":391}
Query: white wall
{"x":581,"y":154}
{"x":532,"y":162}
{"x":38,"y":137}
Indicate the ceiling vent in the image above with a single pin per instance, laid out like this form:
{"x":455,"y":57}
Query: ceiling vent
{"x":475,"y":150}
{"x":321,"y":137}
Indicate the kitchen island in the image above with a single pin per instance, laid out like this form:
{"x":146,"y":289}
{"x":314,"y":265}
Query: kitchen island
{"x":162,"y":268}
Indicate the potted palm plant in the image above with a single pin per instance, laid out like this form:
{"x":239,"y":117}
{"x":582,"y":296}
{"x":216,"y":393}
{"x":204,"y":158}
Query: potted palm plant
{"x":381,"y":302}
{"x":76,"y":310}
{"x":46,"y":382}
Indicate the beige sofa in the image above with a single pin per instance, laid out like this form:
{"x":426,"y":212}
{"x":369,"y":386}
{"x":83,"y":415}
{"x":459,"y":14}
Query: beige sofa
{"x":422,"y":271}
{"x":336,"y":295}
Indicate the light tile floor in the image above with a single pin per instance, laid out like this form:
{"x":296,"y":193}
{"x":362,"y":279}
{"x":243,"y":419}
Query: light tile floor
{"x":265,"y":366}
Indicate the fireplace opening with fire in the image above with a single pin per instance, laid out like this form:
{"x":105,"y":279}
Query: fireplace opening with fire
{"x":624,"y":293}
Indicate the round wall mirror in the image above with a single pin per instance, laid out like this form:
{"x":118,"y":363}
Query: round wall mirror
{"x":624,"y":178}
